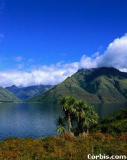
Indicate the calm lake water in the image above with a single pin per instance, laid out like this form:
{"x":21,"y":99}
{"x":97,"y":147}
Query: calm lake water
{"x":36,"y":120}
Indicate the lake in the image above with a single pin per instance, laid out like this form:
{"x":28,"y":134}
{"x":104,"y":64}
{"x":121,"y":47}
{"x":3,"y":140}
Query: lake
{"x":37,"y":120}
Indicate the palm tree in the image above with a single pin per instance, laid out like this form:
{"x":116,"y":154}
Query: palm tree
{"x":90,"y":119}
{"x":61,"y":130}
{"x":86,"y":117}
{"x":79,"y":114}
{"x":67,"y":104}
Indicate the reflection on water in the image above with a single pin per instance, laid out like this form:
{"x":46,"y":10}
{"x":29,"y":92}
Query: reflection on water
{"x":37,"y":120}
{"x":27,"y":120}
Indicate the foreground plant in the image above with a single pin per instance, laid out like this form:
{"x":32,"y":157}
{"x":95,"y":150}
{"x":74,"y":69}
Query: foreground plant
{"x":67,"y":104}
{"x":61,"y":130}
{"x":85,"y":116}
{"x":63,"y":147}
{"x":76,"y":112}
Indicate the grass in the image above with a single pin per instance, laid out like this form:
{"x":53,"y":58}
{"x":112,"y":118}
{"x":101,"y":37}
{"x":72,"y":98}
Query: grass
{"x":63,"y":147}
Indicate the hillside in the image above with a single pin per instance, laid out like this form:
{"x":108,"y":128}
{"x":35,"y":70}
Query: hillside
{"x":98,"y":85}
{"x":115,"y":124}
{"x":7,"y":96}
{"x":25,"y":93}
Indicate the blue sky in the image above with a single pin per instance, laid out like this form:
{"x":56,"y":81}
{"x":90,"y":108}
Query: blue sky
{"x":53,"y":35}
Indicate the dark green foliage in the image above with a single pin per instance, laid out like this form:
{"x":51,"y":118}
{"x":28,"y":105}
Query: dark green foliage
{"x":86,"y":117}
{"x":67,"y":104}
{"x":60,"y":121}
{"x":82,"y":115}
{"x":25,"y":93}
{"x":99,"y":85}
{"x":115,"y":124}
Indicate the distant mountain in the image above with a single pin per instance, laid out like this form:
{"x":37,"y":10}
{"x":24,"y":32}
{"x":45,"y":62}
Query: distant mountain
{"x":7,"y":96}
{"x":98,"y":85}
{"x":25,"y":93}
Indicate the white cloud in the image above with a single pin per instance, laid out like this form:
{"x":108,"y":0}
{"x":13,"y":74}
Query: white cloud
{"x":115,"y":55}
{"x":44,"y":75}
{"x":87,"y":62}
{"x":20,"y":66}
{"x":95,"y":54}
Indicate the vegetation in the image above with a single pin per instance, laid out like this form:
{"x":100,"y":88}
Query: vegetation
{"x":99,"y":85}
{"x":63,"y":147}
{"x":7,"y":96}
{"x":115,"y":124}
{"x":79,"y":113}
{"x":108,"y":137}
{"x":61,"y":130}
{"x":25,"y":93}
{"x":68,"y":109}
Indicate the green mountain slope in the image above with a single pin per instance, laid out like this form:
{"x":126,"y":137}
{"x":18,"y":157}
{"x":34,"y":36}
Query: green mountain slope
{"x":7,"y":96}
{"x":98,"y":85}
{"x":25,"y":93}
{"x":114,"y":124}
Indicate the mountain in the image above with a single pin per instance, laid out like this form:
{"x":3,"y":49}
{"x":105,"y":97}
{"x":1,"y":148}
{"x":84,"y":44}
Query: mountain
{"x":97,"y":85}
{"x":7,"y":96}
{"x":25,"y":93}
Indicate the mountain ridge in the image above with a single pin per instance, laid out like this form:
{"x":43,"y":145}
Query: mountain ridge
{"x":96,"y":85}
{"x":7,"y":96}
{"x":25,"y":93}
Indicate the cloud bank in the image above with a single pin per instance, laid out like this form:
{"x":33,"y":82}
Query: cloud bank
{"x":114,"y":56}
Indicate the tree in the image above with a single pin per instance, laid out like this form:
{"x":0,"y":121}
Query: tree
{"x":61,"y":130}
{"x":81,"y":114}
{"x":86,"y":117}
{"x":67,"y":104}
{"x":61,"y":126}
